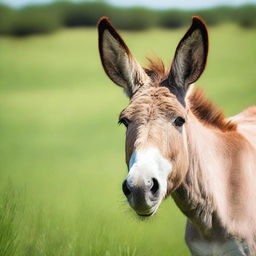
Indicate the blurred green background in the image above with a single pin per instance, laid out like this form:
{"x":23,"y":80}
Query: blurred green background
{"x":62,"y":152}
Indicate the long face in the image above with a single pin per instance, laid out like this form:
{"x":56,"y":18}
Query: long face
{"x":156,"y":153}
{"x":156,"y":145}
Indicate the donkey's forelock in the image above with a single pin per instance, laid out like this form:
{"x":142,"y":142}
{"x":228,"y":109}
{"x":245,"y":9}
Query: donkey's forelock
{"x":156,"y":70}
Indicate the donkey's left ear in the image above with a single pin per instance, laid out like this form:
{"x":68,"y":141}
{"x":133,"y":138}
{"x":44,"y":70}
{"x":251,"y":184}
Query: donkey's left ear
{"x":189,"y":60}
{"x":118,"y":63}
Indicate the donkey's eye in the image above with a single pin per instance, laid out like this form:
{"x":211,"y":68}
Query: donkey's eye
{"x":125,"y":121}
{"x":179,"y":121}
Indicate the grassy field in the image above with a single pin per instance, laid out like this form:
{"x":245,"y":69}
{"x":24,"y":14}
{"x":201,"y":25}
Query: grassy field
{"x":62,"y":152}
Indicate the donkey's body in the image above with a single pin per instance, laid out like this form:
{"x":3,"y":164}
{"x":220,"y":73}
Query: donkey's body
{"x":218,"y":194}
{"x":180,"y":144}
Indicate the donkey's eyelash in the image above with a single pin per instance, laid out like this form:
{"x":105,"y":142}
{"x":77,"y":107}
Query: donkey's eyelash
{"x":125,"y":121}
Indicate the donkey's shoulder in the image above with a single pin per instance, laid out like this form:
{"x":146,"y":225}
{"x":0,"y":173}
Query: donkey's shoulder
{"x":246,"y":116}
{"x":246,"y":124}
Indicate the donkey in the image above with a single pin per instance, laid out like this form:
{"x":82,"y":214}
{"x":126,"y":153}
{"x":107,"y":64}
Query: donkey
{"x":179,"y":143}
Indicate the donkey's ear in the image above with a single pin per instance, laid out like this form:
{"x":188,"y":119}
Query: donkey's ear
{"x":117,"y":61}
{"x":190,"y":59}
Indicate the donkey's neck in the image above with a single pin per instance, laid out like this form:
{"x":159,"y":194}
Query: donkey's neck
{"x":203,"y":191}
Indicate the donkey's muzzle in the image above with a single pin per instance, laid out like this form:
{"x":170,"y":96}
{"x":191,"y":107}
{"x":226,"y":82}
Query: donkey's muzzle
{"x":142,"y":196}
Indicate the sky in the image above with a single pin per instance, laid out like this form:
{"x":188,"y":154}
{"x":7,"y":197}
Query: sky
{"x":155,"y":4}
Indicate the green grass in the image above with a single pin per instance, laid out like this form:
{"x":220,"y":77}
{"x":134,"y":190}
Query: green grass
{"x":62,"y":152}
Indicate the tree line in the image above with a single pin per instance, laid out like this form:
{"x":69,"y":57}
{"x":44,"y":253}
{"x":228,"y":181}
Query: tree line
{"x":40,"y":19}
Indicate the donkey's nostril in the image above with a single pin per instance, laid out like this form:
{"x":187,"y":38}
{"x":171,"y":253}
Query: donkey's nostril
{"x":155,"y":186}
{"x":125,"y":188}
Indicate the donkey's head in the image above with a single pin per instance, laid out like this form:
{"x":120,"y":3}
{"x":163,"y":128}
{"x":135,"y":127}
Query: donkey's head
{"x":156,"y":145}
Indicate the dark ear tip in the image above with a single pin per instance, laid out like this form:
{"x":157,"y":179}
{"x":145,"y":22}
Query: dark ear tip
{"x":197,"y":21}
{"x":103,"y":22}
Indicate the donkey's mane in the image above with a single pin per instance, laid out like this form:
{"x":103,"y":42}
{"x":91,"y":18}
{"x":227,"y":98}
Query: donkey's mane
{"x":207,"y":112}
{"x":204,"y":109}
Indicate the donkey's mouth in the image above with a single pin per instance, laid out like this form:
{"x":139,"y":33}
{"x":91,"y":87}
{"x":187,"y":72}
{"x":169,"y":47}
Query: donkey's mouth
{"x":145,"y":214}
{"x":148,"y":213}
{"x":145,"y":207}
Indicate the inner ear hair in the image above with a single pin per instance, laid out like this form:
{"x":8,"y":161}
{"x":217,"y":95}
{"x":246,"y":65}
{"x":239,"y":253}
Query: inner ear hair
{"x":117,"y":61}
{"x":111,"y":48}
{"x":189,"y":60}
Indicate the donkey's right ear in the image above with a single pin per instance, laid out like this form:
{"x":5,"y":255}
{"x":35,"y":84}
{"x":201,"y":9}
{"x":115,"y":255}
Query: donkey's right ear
{"x":118,"y":63}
